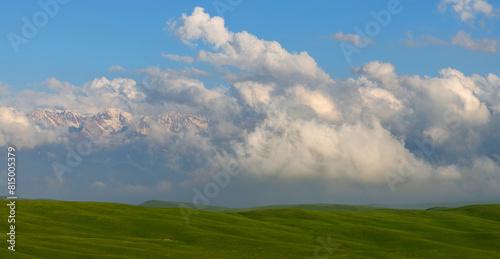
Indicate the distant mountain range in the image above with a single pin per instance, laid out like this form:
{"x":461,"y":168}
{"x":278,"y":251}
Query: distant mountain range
{"x":114,"y":121}
{"x":318,"y":206}
{"x":310,"y":206}
{"x":314,"y":206}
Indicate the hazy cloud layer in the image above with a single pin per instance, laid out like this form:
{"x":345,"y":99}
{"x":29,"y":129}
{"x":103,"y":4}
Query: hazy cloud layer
{"x":4,"y":89}
{"x":464,"y":40}
{"x":116,"y":68}
{"x":352,"y":38}
{"x":423,"y":40}
{"x":461,"y":39}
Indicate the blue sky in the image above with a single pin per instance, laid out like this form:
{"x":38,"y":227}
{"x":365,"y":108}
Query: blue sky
{"x":180,"y":91}
{"x":85,"y":38}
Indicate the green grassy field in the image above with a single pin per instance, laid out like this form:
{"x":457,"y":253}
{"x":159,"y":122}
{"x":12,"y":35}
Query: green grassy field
{"x":57,"y":229}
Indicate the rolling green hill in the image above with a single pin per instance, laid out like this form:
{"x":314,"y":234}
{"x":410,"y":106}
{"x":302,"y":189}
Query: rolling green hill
{"x":438,"y":208}
{"x":173,"y":204}
{"x":57,"y":229}
{"x":427,"y":205}
{"x":317,"y":206}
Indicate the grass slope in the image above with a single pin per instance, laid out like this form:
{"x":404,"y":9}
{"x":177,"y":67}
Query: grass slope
{"x":57,"y":229}
{"x":317,"y":206}
{"x":427,"y":205}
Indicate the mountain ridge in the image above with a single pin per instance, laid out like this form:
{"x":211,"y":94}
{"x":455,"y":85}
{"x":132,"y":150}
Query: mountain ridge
{"x":113,"y":121}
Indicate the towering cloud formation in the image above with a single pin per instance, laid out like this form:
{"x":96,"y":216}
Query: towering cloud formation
{"x":245,"y":51}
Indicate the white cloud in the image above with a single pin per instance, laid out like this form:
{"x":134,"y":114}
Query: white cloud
{"x":309,"y":149}
{"x":469,"y":9}
{"x":464,"y":40}
{"x":199,"y":25}
{"x":321,"y":104}
{"x":244,"y":50}
{"x":353,"y":38}
{"x":254,"y":93}
{"x":454,"y":91}
{"x":448,"y":109}
{"x":177,"y":88}
{"x":383,"y":73}
{"x":382,"y":98}
{"x":17,"y":130}
{"x":101,"y":93}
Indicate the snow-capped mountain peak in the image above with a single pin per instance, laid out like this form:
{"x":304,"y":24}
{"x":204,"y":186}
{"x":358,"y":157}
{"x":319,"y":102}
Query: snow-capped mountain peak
{"x":113,"y":121}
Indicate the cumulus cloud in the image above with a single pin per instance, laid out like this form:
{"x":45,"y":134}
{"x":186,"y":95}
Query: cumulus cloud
{"x":168,"y":89}
{"x":458,"y":87}
{"x":353,"y":38}
{"x":464,"y":40}
{"x":244,"y":50}
{"x":296,"y":148}
{"x":359,"y":152}
{"x":254,"y":93}
{"x":380,"y":99}
{"x":469,"y":9}
{"x":322,"y":105}
{"x":16,"y":129}
{"x":101,"y":93}
{"x":199,"y":25}
{"x":381,"y":73}
{"x":439,"y":102}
